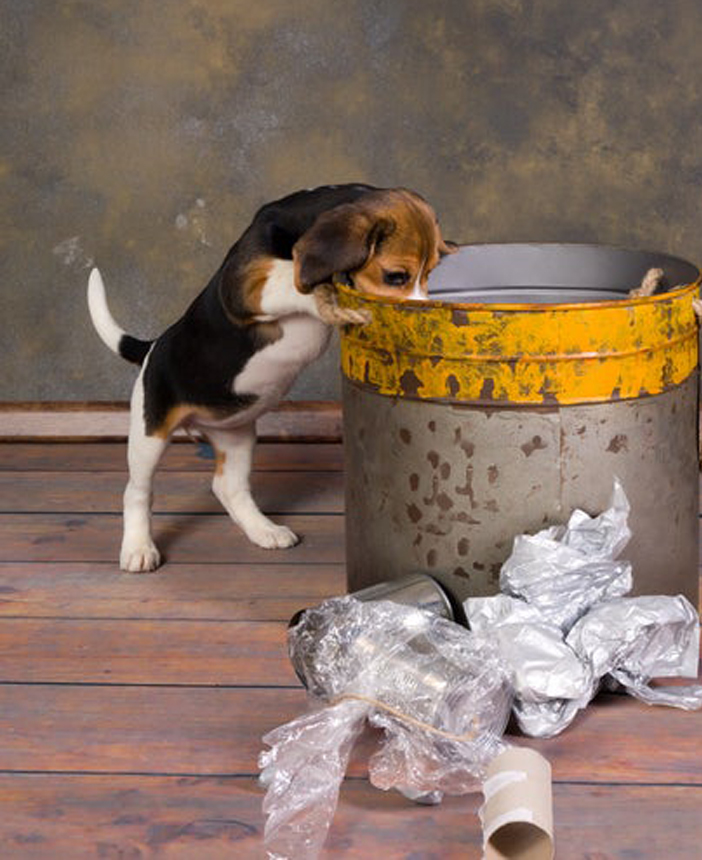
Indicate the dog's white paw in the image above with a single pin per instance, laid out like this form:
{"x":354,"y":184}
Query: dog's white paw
{"x":140,"y":559}
{"x":272,"y":536}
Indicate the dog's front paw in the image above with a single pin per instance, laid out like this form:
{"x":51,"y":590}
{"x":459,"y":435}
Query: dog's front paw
{"x":272,"y":536}
{"x":140,"y":559}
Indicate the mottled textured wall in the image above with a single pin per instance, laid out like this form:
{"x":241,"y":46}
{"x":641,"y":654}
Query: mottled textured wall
{"x":143,"y":135}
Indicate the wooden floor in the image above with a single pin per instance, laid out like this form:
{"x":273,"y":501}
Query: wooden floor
{"x":132,"y":706}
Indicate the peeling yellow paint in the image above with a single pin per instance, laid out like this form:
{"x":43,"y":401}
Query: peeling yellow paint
{"x":522,"y":353}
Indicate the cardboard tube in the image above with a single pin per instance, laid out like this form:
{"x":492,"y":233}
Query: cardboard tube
{"x":517,"y":814}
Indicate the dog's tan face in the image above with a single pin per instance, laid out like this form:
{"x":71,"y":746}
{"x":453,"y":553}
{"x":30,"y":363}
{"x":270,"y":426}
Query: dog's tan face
{"x":387,"y":243}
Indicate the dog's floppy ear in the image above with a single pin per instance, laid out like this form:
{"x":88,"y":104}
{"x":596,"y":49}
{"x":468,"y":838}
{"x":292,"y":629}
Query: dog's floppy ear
{"x":340,"y":240}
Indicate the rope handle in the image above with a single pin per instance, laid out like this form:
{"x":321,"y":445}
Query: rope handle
{"x":406,"y":718}
{"x":649,"y":284}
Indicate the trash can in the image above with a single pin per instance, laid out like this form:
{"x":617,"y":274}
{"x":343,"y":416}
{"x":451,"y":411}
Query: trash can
{"x":516,"y":393}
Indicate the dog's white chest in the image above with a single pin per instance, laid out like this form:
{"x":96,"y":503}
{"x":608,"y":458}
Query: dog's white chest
{"x":272,"y":370}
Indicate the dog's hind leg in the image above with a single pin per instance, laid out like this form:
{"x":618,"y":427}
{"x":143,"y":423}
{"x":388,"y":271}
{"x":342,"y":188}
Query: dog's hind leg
{"x":234,"y":455}
{"x":139,"y":553}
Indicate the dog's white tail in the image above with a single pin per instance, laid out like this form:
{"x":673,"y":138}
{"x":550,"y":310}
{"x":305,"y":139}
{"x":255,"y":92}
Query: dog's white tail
{"x":110,"y":333}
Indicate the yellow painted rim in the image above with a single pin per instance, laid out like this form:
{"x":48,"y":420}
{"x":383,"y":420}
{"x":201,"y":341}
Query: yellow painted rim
{"x":512,"y":354}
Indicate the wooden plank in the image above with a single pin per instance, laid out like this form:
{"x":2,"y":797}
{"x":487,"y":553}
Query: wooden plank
{"x":247,"y":592}
{"x":301,"y":420}
{"x":217,"y":653}
{"x":210,"y":731}
{"x":112,"y":457}
{"x":180,"y":492}
{"x":169,"y":730}
{"x":80,"y":817}
{"x":181,"y":538}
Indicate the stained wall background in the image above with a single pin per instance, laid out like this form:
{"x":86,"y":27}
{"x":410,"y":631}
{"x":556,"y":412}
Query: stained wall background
{"x":143,"y":135}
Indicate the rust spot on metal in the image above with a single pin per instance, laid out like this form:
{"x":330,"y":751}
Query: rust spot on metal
{"x":444,"y":502}
{"x":414,"y":513}
{"x":617,"y":393}
{"x":493,"y":474}
{"x":373,"y":386}
{"x":535,"y":444}
{"x":465,"y":517}
{"x":405,"y":435}
{"x":459,"y":317}
{"x":431,"y":500}
{"x":477,"y":565}
{"x":437,"y":344}
{"x":410,"y":383}
{"x":431,"y":426}
{"x":462,"y":572}
{"x":618,"y":443}
{"x":548,"y":397}
{"x":453,"y":385}
{"x":414,"y":482}
{"x":431,"y":558}
{"x":467,"y":488}
{"x":433,"y":458}
{"x":463,"y":546}
{"x":434,"y":529}
{"x":468,"y":448}
{"x":445,"y":471}
{"x":488,"y":389}
{"x":668,"y":373}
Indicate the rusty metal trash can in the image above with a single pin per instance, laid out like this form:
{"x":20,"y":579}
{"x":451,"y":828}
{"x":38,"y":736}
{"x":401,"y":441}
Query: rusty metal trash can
{"x":514,"y":395}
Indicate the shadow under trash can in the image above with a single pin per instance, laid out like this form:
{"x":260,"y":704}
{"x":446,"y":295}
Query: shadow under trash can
{"x":515,"y":394}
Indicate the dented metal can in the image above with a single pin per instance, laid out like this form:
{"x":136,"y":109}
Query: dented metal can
{"x":528,"y":381}
{"x":415,"y":591}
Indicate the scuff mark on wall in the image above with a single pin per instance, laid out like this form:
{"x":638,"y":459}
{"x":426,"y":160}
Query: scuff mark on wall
{"x":194,"y":222}
{"x":71,"y":253}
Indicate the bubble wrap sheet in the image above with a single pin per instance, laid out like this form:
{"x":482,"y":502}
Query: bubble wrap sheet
{"x":440,"y":693}
{"x":563,"y":623}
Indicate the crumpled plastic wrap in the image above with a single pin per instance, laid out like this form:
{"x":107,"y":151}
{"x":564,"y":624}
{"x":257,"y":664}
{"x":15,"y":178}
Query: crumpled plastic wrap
{"x":562,"y":626}
{"x":564,"y":570}
{"x":563,"y":623}
{"x":440,"y":692}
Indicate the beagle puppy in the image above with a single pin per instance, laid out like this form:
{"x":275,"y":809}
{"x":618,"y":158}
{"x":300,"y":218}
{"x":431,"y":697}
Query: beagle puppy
{"x":267,"y":313}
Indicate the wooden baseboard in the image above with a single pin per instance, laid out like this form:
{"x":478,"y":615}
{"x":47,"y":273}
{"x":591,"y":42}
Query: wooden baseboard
{"x":294,"y":420}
